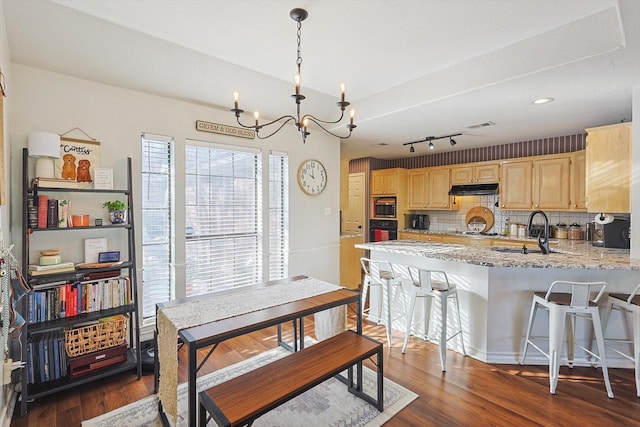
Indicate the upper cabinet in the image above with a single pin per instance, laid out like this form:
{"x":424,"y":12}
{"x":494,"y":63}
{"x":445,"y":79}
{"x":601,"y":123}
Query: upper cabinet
{"x":515,"y":184}
{"x":429,"y":189}
{"x":551,"y":183}
{"x":577,"y":184}
{"x":608,"y":168}
{"x":475,"y":174}
{"x":386,"y":182}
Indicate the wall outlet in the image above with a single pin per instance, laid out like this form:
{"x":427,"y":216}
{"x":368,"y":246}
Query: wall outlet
{"x":327,"y":211}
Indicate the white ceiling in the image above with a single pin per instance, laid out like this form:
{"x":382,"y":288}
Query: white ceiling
{"x":413,"y":68}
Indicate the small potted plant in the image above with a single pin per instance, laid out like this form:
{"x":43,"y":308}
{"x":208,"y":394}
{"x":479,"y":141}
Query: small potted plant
{"x":117,"y":211}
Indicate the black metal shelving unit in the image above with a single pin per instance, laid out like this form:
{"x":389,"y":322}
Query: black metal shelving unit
{"x":133,"y":362}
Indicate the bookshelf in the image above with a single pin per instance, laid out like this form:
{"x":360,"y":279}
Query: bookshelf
{"x":62,"y":300}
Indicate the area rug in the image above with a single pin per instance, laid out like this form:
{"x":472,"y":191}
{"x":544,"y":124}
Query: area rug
{"x":326,"y":405}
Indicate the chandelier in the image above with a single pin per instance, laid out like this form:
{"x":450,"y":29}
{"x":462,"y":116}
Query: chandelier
{"x":301,"y":122}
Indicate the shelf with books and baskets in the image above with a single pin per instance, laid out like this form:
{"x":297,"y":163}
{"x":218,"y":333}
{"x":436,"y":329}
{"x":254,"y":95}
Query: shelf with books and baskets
{"x":81,"y":318}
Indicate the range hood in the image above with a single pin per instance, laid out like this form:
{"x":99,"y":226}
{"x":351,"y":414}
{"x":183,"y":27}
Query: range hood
{"x":473,"y":190}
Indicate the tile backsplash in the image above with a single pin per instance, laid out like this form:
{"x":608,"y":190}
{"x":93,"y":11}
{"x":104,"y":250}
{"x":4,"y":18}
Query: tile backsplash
{"x":452,"y":221}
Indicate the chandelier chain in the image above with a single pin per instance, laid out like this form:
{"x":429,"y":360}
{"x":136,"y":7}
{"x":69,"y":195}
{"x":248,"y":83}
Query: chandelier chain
{"x":299,"y":59}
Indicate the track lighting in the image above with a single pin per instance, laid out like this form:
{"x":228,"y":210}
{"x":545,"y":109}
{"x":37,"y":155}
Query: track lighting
{"x":430,"y":140}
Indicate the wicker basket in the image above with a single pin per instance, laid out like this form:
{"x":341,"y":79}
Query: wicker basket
{"x":99,"y":336}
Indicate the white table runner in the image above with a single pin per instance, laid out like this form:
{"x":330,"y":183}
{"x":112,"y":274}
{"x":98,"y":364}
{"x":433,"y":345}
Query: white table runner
{"x":214,"y":307}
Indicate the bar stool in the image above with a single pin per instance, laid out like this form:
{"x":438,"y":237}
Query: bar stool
{"x":430,"y":284}
{"x":629,"y":303}
{"x":563,"y":306}
{"x":380,"y":275}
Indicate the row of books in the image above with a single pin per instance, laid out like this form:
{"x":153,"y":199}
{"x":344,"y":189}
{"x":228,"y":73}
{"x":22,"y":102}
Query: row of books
{"x":44,"y":212}
{"x":71,"y":299}
{"x":46,"y":357}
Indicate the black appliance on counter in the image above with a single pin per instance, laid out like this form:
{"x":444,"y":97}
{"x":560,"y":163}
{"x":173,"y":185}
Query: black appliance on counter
{"x":616,"y":234}
{"x":383,"y":229}
{"x":417,"y":221}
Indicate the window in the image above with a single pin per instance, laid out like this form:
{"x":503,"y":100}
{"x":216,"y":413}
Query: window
{"x":157,"y":222}
{"x":278,"y":216}
{"x":223,"y":217}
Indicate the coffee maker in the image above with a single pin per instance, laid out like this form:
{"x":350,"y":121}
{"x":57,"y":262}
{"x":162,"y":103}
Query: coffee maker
{"x":616,"y":234}
{"x":419,"y":221}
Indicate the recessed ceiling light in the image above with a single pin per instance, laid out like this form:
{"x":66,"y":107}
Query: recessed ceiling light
{"x":542,"y":101}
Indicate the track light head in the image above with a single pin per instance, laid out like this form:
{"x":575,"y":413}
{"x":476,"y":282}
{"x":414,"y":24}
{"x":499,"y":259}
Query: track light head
{"x":411,"y":149}
{"x":431,"y":146}
{"x":452,"y":142}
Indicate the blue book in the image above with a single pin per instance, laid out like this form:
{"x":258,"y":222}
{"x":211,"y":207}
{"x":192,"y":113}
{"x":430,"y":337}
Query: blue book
{"x":41,"y":359}
{"x":45,"y":351}
{"x":56,"y":356}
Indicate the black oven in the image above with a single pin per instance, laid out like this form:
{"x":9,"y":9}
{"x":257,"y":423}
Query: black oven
{"x":383,"y":229}
{"x":384,"y":207}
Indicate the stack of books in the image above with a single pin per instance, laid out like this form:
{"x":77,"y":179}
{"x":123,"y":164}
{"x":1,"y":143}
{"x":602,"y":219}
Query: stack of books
{"x":36,"y":270}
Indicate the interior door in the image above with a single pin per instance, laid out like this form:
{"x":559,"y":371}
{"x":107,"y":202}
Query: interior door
{"x":353,"y":217}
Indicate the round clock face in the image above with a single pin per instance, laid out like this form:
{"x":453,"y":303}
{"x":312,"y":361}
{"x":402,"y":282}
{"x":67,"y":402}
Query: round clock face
{"x":312,"y":177}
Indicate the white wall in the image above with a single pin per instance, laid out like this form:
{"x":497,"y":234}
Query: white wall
{"x":116,"y":117}
{"x":635,"y":183}
{"x":5,"y":66}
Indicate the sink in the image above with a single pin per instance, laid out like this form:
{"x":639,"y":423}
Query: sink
{"x":536,"y":250}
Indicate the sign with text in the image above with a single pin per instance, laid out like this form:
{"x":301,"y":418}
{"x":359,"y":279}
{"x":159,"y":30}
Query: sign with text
{"x":224,"y":129}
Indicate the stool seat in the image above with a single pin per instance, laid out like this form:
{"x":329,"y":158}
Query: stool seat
{"x":565,"y":301}
{"x":629,"y":304}
{"x":434,"y":284}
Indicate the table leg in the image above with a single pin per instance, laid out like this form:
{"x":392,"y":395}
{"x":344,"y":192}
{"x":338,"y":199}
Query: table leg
{"x":192,"y":384}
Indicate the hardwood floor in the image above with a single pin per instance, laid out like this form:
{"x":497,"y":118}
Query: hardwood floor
{"x":470,"y":393}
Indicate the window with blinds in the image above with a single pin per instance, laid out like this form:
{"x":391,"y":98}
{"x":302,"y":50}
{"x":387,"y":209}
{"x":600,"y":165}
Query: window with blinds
{"x":157,"y":221}
{"x":278,"y":216}
{"x":223,"y":217}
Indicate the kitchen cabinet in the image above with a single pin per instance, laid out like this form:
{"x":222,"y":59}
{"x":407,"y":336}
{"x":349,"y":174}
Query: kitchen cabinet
{"x":475,"y":174}
{"x":429,"y":189}
{"x":466,"y":240}
{"x":577,"y":189}
{"x":386,"y":182}
{"x":551,"y":183}
{"x":350,"y":268}
{"x":608,"y":168}
{"x":423,"y":237}
{"x":515,"y":184}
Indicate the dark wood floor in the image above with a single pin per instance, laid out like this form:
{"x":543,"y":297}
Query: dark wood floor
{"x":470,"y":393}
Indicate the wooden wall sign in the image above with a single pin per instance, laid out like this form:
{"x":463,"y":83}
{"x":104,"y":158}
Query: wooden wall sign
{"x":225,"y":129}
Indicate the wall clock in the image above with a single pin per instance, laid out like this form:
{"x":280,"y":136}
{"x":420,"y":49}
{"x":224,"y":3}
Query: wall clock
{"x":312,"y":177}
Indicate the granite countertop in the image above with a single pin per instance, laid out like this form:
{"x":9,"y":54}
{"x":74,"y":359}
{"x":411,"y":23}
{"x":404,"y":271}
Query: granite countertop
{"x":569,"y":254}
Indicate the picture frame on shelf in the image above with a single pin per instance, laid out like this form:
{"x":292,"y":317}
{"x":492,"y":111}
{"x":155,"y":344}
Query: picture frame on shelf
{"x":103,"y":179}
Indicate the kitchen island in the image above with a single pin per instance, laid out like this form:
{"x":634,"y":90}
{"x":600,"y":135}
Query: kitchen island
{"x":495,"y":286}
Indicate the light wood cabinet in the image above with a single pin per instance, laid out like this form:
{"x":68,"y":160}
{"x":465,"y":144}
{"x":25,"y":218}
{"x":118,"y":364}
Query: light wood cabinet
{"x":577,"y":184}
{"x":423,"y":237}
{"x":429,"y":189}
{"x":385,"y":182}
{"x":551,"y":183}
{"x":465,"y":240}
{"x":608,"y":168}
{"x":515,"y":184}
{"x":417,"y":188}
{"x":350,"y":269}
{"x":475,"y":174}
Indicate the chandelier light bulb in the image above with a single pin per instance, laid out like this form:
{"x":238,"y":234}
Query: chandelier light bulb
{"x":342,"y":90}
{"x":351,"y":116}
{"x":257,"y":116}
{"x":236,"y":97}
{"x":296,"y":81}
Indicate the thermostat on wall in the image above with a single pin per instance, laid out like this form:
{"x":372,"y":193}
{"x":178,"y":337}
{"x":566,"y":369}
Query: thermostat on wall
{"x":112,"y":256}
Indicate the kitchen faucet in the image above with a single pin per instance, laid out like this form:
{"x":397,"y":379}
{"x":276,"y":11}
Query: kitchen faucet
{"x":543,"y":242}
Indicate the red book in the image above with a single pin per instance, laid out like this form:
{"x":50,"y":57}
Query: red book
{"x":43,"y":201}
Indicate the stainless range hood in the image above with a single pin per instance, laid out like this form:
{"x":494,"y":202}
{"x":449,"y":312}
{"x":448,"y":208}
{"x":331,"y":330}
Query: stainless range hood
{"x":473,"y":190}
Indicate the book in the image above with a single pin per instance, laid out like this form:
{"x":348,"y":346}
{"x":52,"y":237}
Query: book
{"x":32,"y":211}
{"x":52,"y":213}
{"x":35,"y":267}
{"x":58,"y":183}
{"x":52,"y":271}
{"x":43,"y":201}
{"x":63,"y":213}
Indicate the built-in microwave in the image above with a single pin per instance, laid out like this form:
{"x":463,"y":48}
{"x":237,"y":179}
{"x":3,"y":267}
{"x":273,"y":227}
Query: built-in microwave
{"x":384,"y":207}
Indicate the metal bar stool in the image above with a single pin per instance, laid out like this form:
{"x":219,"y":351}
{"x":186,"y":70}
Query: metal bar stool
{"x":628,"y":303}
{"x":380,"y":275}
{"x":430,"y":284}
{"x":563,"y":306}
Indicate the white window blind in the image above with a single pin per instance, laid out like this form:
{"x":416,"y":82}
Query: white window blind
{"x":157,"y":221}
{"x":278,"y":216}
{"x":223,"y":193}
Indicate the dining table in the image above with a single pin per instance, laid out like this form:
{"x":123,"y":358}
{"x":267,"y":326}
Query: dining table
{"x":206,"y":320}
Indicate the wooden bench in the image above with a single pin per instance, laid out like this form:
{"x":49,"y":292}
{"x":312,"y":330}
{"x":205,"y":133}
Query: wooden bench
{"x":242,"y":399}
